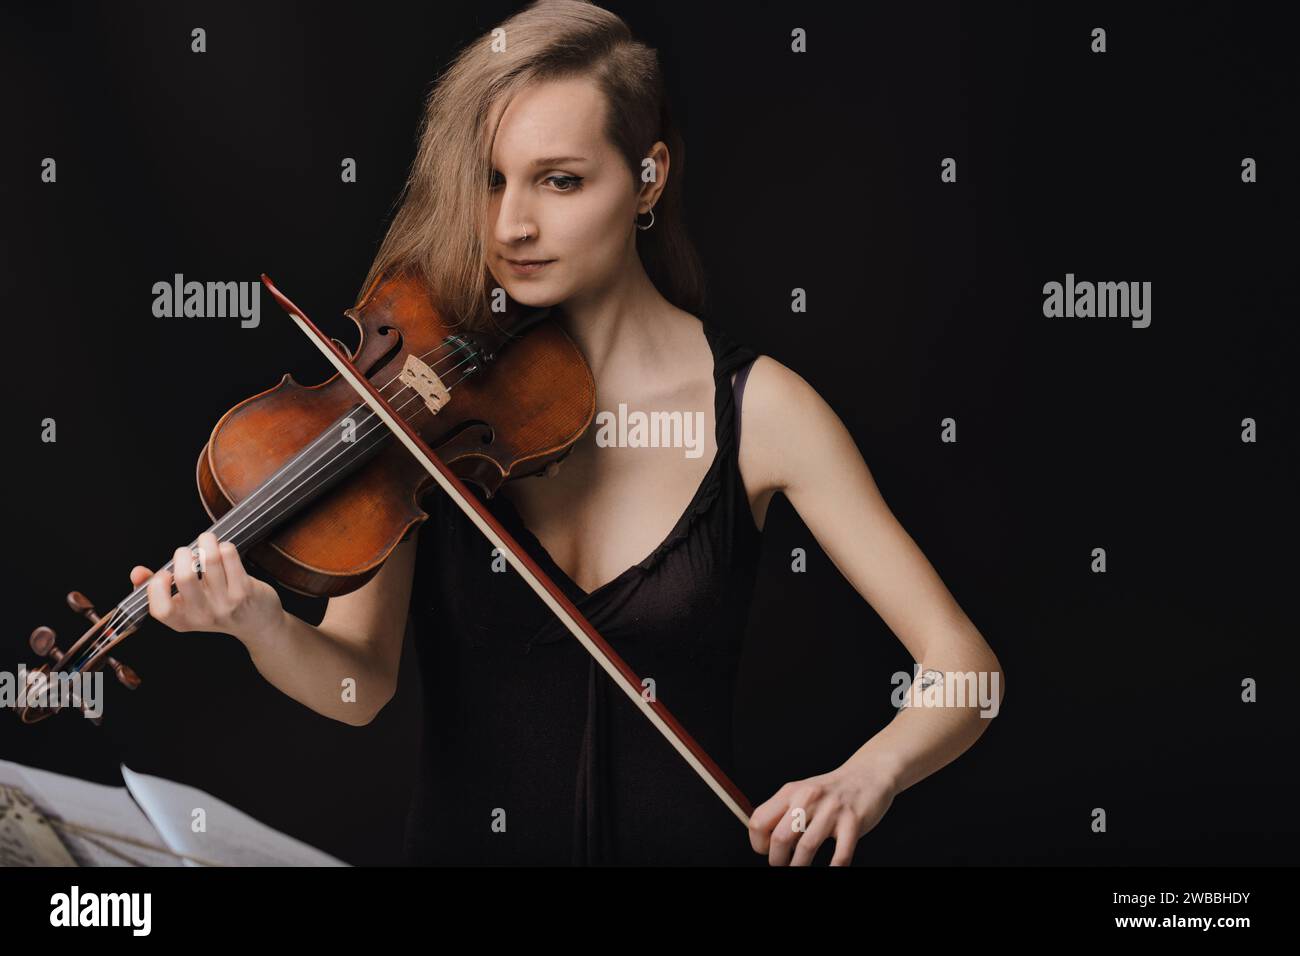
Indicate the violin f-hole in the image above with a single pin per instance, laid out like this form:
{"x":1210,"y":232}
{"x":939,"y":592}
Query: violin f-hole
{"x":384,"y":357}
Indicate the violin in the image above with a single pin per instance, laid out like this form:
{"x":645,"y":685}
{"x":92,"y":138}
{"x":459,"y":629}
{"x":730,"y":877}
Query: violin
{"x":309,"y":485}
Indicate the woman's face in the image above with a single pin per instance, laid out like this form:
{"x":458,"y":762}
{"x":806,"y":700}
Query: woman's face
{"x":556,"y":177}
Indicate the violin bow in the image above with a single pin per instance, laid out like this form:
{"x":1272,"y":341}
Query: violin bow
{"x":537,"y":579}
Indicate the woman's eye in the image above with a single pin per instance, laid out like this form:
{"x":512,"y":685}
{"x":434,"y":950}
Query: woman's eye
{"x":570,"y":183}
{"x":563,"y":184}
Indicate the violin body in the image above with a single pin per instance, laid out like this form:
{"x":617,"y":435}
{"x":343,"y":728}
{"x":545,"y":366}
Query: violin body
{"x":510,"y":419}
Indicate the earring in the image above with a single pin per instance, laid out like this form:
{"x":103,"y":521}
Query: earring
{"x":647,"y":225}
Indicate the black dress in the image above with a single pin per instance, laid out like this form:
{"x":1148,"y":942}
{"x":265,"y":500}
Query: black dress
{"x":531,"y":754}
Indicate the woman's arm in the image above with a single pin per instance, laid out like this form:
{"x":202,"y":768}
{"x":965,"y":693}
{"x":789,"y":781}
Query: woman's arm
{"x":345,"y":669}
{"x":793,"y":442}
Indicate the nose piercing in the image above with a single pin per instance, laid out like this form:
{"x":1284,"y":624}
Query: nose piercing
{"x":525,"y":236}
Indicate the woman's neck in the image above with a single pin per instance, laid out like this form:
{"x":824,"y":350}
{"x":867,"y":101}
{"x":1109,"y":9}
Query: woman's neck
{"x":622,"y":328}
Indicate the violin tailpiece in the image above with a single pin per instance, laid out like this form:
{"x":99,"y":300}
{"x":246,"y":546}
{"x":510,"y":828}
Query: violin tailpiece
{"x":419,"y":376}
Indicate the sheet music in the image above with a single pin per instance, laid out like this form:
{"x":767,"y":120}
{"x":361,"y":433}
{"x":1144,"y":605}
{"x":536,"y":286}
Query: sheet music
{"x":27,"y":838}
{"x":232,"y":837}
{"x":93,"y":805}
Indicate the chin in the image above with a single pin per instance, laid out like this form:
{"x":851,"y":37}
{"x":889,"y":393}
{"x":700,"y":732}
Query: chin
{"x":534,"y":297}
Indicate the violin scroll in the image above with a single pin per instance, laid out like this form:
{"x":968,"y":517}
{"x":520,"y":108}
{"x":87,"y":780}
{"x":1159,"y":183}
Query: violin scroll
{"x":44,"y":643}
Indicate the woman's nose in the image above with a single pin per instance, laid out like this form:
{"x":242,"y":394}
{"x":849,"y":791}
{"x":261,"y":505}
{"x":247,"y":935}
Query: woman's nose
{"x":514,"y":230}
{"x":514,"y":222}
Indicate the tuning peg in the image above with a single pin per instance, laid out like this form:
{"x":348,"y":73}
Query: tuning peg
{"x":128,"y":678}
{"x":42,"y":642}
{"x":43,"y":638}
{"x":80,"y":604}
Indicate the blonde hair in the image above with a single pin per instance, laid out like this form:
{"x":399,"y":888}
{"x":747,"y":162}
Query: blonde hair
{"x":438,"y":230}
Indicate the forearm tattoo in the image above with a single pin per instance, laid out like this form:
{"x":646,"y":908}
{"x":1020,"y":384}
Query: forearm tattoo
{"x":928,"y":678}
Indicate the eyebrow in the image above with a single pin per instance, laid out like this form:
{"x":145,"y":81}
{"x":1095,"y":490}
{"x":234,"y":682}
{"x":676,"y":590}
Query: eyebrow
{"x":558,"y":160}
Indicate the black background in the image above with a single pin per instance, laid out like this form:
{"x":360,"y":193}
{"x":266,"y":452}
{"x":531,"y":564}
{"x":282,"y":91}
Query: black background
{"x":818,"y":171}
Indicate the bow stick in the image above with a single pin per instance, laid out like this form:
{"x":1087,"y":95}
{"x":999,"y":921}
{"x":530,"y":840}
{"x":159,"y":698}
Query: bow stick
{"x":545,"y":588}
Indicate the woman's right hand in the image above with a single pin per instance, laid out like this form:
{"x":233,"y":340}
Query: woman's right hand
{"x":223,"y":599}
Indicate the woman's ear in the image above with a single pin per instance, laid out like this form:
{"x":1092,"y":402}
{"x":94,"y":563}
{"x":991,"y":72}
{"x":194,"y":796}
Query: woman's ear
{"x":654,"y":174}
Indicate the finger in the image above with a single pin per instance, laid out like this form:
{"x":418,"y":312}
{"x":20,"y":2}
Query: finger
{"x":764,"y":818}
{"x":140,"y":574}
{"x":846,"y":840}
{"x":214,"y":574}
{"x":161,"y":603}
{"x":785,"y":836}
{"x":823,"y":822}
{"x":237,"y":580}
{"x":193,"y":593}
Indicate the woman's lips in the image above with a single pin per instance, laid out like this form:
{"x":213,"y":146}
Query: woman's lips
{"x":528,"y":268}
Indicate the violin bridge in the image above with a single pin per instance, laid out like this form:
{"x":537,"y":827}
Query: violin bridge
{"x":418,"y":375}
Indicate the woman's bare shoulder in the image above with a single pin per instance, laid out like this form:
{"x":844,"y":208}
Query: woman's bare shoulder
{"x":778,"y":403}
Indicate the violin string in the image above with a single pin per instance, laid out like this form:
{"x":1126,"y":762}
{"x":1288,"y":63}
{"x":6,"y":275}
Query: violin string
{"x":139,"y":598}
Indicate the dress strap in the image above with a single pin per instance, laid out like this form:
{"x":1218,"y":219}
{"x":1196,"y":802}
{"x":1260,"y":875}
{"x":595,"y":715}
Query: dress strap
{"x":739,"y":388}
{"x":728,"y":354}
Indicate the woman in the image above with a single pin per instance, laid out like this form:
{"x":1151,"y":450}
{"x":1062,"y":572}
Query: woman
{"x":549,"y":167}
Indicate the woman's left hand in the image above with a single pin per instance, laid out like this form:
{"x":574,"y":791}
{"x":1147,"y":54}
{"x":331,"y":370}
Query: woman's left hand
{"x":793,"y":824}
